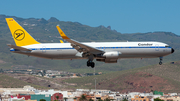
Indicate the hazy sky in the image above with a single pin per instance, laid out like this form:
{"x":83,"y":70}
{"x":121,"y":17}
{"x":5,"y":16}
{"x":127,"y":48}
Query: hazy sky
{"x":125,"y":16}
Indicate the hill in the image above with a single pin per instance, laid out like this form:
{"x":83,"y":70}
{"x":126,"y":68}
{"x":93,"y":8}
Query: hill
{"x":45,"y":31}
{"x":165,"y":78}
{"x":11,"y":82}
{"x":20,"y":80}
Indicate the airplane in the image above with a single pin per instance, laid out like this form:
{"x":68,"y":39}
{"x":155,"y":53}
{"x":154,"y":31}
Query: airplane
{"x":108,"y":52}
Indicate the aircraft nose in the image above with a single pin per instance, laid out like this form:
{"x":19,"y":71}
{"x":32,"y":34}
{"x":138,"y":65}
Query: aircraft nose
{"x":172,"y":50}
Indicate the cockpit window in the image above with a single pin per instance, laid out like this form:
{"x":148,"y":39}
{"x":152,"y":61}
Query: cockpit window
{"x":167,"y":46}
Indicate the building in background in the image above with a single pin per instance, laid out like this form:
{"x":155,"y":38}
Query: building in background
{"x":47,"y":97}
{"x":158,"y":93}
{"x":140,"y":98}
{"x":57,"y":96}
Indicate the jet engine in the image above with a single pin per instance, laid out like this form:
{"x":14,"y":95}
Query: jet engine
{"x":110,"y":55}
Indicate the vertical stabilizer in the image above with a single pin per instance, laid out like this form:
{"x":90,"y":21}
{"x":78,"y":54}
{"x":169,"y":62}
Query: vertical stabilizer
{"x":20,"y":35}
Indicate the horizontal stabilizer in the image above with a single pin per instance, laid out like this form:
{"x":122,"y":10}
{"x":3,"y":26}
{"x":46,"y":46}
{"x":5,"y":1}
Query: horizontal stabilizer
{"x":18,"y":48}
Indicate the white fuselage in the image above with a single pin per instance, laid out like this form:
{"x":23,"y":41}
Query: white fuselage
{"x":126,"y":50}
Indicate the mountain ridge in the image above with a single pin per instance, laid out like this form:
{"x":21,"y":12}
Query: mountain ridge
{"x":53,"y":19}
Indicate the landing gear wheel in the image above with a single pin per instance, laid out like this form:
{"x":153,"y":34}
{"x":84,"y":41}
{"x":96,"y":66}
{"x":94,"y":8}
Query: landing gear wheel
{"x":160,"y":63}
{"x":90,"y":63}
{"x":161,"y":58}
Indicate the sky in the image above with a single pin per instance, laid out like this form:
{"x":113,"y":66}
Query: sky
{"x":124,"y":16}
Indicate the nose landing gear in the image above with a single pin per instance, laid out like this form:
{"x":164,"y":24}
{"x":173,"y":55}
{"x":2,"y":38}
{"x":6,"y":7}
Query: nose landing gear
{"x":160,"y":62}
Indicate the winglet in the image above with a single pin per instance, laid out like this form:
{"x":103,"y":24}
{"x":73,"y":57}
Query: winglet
{"x":62,"y":33}
{"x":61,"y":41}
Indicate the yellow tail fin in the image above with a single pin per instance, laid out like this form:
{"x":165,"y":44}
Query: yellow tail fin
{"x":20,"y":35}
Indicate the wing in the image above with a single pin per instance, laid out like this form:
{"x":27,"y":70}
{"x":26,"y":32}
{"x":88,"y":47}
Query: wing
{"x":80,"y":47}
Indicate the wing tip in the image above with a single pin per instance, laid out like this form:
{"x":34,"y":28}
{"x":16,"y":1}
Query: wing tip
{"x":61,"y":33}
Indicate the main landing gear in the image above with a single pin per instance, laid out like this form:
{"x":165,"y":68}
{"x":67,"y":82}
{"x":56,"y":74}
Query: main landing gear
{"x":160,"y":62}
{"x":90,"y":63}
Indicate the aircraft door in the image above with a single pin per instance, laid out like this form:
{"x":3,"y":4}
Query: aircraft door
{"x":157,"y":47}
{"x":44,"y":49}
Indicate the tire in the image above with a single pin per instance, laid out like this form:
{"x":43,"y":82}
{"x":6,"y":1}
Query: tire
{"x":88,"y":63}
{"x":92,"y":64}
